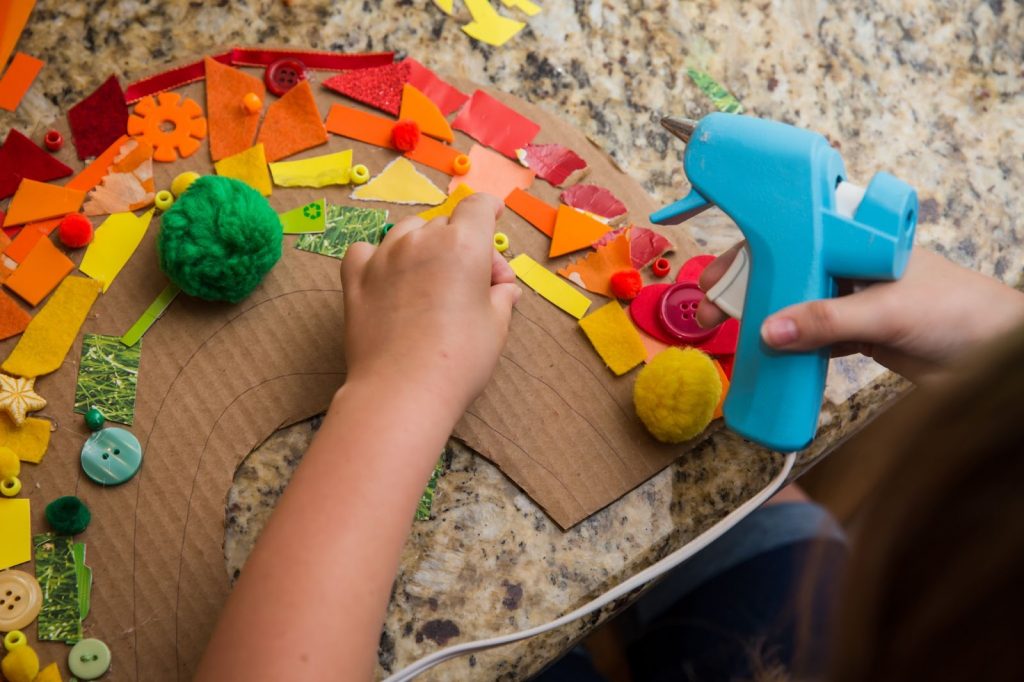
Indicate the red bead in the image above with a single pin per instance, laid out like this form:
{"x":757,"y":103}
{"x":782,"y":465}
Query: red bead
{"x":661,"y":267}
{"x":53,"y":140}
{"x":405,"y":135}
{"x":626,"y":284}
{"x":75,"y":231}
{"x":283,"y":75}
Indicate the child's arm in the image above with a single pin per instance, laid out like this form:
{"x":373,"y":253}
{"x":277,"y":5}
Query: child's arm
{"x":916,"y":326}
{"x":427,"y":314}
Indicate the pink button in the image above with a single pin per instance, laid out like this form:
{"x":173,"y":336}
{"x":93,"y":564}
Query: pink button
{"x":678,"y":313}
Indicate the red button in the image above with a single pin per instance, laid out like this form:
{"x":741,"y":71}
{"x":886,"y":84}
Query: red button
{"x":678,"y":313}
{"x":283,"y":75}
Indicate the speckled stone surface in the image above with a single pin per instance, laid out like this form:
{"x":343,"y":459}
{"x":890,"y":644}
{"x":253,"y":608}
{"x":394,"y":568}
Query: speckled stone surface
{"x":933,"y":92}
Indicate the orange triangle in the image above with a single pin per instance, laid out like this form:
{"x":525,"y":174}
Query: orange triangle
{"x":36,"y":201}
{"x":292,"y":124}
{"x":418,"y":107}
{"x":232,"y":127}
{"x":574,"y":231}
{"x":535,"y":211}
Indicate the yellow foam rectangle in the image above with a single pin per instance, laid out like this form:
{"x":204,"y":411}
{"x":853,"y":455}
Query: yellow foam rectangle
{"x":49,"y":335}
{"x":115,"y":242}
{"x":29,"y":441}
{"x":15,"y":532}
{"x":549,"y":285}
{"x":614,"y":337}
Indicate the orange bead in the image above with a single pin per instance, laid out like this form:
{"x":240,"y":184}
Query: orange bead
{"x":252,"y":103}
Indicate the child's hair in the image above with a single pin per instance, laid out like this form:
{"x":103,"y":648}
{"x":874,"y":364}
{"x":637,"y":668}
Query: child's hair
{"x":935,"y":584}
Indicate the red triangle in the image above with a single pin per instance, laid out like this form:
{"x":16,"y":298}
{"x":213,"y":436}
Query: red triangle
{"x":30,"y":160}
{"x":99,"y":119}
{"x":379,"y":87}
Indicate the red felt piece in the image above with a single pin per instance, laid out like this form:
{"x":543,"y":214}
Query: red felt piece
{"x":447,"y":97}
{"x":379,"y":87}
{"x":644,"y":311}
{"x":99,"y":119}
{"x":553,"y":162}
{"x":405,"y":135}
{"x":495,"y":125}
{"x":691,"y":270}
{"x":594,"y":199}
{"x":626,"y":284}
{"x":20,"y":158}
{"x":726,"y":361}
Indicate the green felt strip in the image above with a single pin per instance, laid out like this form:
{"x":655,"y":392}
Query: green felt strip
{"x":84,"y":575}
{"x":722,"y":98}
{"x":60,"y":618}
{"x":150,"y":315}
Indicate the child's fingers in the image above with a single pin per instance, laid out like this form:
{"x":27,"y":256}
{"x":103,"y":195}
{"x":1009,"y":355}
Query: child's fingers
{"x":501,"y":271}
{"x":503,"y":297}
{"x":354,"y":262}
{"x":826,"y":322}
{"x":709,"y":314}
{"x":477,"y":213}
{"x":404,"y":226}
{"x":716,"y":268}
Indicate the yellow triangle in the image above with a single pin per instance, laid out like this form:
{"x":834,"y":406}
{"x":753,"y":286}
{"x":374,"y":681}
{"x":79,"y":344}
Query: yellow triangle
{"x":418,"y":107}
{"x":400,"y":183}
{"x":249,"y":166}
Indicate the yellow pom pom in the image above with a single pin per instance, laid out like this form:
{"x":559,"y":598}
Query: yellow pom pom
{"x":10,"y":465}
{"x":676,"y":393}
{"x":182,"y":182}
{"x":20,"y":665}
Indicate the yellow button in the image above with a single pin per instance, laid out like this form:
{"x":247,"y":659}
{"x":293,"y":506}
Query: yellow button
{"x":20,"y":599}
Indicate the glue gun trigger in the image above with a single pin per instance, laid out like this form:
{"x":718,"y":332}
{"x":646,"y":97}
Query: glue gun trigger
{"x":679,"y":211}
{"x":730,"y":292}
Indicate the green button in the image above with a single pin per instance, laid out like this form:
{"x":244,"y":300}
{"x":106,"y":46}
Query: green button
{"x":111,"y":456}
{"x":89,"y":659}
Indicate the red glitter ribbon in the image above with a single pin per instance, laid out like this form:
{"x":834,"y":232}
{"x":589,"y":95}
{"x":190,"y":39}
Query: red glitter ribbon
{"x":240,"y":56}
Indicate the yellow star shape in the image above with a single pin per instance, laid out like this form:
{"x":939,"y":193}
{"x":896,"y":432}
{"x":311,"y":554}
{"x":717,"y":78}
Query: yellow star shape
{"x":18,"y":397}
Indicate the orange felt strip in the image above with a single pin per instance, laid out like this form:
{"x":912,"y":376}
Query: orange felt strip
{"x":18,"y":80}
{"x":594,"y":272}
{"x":435,"y":154}
{"x":360,"y":125}
{"x":292,"y":124}
{"x":13,"y":17}
{"x":574,"y":231}
{"x":535,"y":211}
{"x":28,"y":238}
{"x":36,"y":201}
{"x":42,"y":271}
{"x":232,"y":128}
{"x":13,"y":319}
{"x":418,"y":107}
{"x":92,"y":174}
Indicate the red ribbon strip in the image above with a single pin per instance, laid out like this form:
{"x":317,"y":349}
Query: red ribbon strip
{"x":239,"y":56}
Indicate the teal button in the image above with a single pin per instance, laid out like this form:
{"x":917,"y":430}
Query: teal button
{"x":111,"y":456}
{"x":89,"y":659}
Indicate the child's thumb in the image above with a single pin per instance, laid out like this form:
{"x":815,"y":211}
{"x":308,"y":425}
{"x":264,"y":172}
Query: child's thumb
{"x":503,"y":297}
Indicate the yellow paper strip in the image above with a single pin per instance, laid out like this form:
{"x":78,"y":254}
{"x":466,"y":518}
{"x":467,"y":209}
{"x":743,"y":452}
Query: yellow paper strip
{"x":49,"y":335}
{"x":550,"y":286}
{"x":316,"y":171}
{"x":445,"y":209}
{"x":115,"y":242}
{"x":528,"y":8}
{"x":15,"y":532}
{"x":488,"y":26}
{"x":29,"y":441}
{"x":614,"y":337}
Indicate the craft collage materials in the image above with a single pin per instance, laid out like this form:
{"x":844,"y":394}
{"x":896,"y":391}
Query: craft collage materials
{"x":173,"y":266}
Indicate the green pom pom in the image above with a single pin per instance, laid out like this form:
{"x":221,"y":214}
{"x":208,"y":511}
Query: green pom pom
{"x":68,"y":515}
{"x":219,"y":239}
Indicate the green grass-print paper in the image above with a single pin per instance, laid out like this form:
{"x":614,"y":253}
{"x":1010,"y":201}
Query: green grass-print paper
{"x":60,"y":618}
{"x":722,"y":98}
{"x":346,"y":225}
{"x":107,"y":377}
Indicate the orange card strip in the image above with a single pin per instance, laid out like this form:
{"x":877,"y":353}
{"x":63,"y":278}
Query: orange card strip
{"x":92,"y":174}
{"x":13,"y":17}
{"x":435,"y":154}
{"x":18,"y":79}
{"x":535,"y":211}
{"x":28,"y":238}
{"x":42,"y":271}
{"x":360,"y":125}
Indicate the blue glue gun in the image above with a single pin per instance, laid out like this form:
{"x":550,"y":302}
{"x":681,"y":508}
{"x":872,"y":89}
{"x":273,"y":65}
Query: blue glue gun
{"x":805,"y":226}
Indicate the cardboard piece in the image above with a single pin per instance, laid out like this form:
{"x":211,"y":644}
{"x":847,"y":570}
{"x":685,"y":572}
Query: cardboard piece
{"x":293,"y":124}
{"x":99,"y":119}
{"x":494,"y":124}
{"x":40,"y":272}
{"x":419,"y":108}
{"x":315,"y":171}
{"x":492,"y":173}
{"x":37,"y":201}
{"x":20,"y":158}
{"x":165,"y":552}
{"x":232,"y":127}
{"x":400,"y":183}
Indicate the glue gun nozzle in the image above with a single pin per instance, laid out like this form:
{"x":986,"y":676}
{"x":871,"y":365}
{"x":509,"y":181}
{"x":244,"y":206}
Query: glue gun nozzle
{"x":680,"y":127}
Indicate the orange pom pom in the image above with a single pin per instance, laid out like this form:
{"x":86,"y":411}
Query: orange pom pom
{"x":405,"y":135}
{"x":626,"y":284}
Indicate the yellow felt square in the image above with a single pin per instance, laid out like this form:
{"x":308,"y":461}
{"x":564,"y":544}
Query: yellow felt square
{"x":316,"y":171}
{"x":29,"y":441}
{"x":15,"y":532}
{"x":445,"y":209}
{"x":548,"y":285}
{"x":614,"y":337}
{"x":249,"y":166}
{"x":49,"y":335}
{"x":113,"y":244}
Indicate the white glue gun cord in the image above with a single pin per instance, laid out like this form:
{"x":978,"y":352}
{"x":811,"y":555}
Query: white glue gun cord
{"x":643,"y":577}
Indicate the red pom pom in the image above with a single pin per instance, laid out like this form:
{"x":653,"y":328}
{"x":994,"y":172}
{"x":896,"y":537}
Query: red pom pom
{"x":626,"y":284}
{"x":75,"y":231}
{"x":405,"y":135}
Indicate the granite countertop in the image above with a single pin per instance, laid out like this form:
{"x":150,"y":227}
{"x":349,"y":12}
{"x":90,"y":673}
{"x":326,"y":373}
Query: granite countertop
{"x":933,"y":95}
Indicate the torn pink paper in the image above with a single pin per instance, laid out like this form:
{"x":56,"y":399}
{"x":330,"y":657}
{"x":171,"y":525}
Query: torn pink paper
{"x":491,"y":123}
{"x":553,"y":162}
{"x":644,"y":244}
{"x":594,"y":199}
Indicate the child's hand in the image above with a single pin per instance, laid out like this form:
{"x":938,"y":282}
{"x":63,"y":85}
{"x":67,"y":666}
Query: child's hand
{"x":429,"y":308}
{"x":916,"y":326}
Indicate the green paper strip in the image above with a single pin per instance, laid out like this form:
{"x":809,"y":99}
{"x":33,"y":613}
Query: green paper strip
{"x":60,"y":618}
{"x":720,"y":97}
{"x":307,"y":219}
{"x":84,"y":575}
{"x":427,"y":500}
{"x":150,"y":315}
{"x":107,"y":377}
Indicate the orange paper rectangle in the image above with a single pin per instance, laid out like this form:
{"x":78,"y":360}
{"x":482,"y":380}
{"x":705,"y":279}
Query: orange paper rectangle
{"x":435,"y":154}
{"x":18,"y":79}
{"x":28,"y":238}
{"x":360,"y":125}
{"x":92,"y":174}
{"x":43,"y":269}
{"x":35,"y":201}
{"x":13,"y":17}
{"x":535,"y":211}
